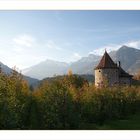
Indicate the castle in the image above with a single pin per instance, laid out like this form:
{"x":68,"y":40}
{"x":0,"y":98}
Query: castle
{"x":108,"y":72}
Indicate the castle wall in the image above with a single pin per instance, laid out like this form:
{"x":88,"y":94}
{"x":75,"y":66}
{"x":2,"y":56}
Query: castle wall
{"x":125,"y":81}
{"x":106,"y":77}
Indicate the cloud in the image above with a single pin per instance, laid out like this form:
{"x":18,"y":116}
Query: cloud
{"x":75,"y":56}
{"x":22,"y":51}
{"x":24,"y":40}
{"x":113,"y":47}
{"x":51,"y":45}
{"x":134,"y":44}
{"x":23,"y":43}
{"x":25,"y":50}
{"x":18,"y":49}
{"x":108,"y":48}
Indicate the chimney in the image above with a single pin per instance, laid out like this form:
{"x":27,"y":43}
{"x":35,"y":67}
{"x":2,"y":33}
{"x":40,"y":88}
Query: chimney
{"x":119,"y":64}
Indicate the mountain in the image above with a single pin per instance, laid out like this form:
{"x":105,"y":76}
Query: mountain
{"x":47,"y":68}
{"x":129,"y":57}
{"x":85,"y":65}
{"x":32,"y":81}
{"x":7,"y":70}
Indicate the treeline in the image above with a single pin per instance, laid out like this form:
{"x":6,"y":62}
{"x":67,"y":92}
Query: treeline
{"x":65,"y":103}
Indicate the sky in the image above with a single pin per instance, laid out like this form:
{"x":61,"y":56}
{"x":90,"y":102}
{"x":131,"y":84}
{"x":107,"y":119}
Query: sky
{"x":29,"y":37}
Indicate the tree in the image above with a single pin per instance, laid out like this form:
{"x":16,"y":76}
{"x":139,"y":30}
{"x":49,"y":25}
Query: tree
{"x":70,"y":72}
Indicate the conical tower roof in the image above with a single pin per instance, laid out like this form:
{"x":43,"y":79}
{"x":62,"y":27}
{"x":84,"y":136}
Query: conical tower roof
{"x":106,"y":62}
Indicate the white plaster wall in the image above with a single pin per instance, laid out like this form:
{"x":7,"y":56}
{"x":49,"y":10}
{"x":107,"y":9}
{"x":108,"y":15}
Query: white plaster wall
{"x":104,"y":75}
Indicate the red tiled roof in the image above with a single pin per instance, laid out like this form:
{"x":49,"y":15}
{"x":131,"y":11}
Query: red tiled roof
{"x":106,"y":62}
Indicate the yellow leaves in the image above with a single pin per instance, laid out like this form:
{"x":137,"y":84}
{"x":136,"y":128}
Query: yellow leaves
{"x":137,"y":76}
{"x":24,"y":87}
{"x":37,"y":93}
{"x":70,"y":72}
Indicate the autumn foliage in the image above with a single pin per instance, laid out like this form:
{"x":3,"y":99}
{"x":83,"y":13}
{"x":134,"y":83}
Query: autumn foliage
{"x":65,"y":103}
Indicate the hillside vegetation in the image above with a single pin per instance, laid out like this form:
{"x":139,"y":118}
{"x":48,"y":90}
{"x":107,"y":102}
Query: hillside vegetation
{"x":68,"y":102}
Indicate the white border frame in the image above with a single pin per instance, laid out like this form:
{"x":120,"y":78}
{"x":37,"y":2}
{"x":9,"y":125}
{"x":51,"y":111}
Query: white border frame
{"x":69,"y":5}
{"x":70,"y":135}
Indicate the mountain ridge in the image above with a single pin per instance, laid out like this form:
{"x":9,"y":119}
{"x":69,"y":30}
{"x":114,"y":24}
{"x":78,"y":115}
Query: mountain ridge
{"x":7,"y":70}
{"x":85,"y":65}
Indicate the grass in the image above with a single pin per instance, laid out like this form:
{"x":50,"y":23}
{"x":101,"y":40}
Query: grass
{"x":131,"y":123}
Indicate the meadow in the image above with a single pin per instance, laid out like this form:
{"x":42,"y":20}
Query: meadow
{"x":66,"y":103}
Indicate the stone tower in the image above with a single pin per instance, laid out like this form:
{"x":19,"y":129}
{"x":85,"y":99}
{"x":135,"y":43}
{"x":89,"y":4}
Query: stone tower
{"x":106,"y":72}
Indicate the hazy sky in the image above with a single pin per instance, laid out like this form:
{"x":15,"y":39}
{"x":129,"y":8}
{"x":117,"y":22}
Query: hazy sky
{"x":28,"y":37}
